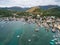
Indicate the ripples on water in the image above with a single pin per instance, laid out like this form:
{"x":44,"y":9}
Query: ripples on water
{"x":22,"y":33}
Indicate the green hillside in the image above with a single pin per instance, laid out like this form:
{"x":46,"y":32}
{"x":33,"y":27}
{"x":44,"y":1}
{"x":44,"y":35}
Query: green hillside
{"x":5,"y":13}
{"x":32,"y":11}
{"x":52,"y":12}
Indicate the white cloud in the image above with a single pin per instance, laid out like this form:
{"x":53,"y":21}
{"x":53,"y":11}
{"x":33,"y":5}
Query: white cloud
{"x":28,"y":3}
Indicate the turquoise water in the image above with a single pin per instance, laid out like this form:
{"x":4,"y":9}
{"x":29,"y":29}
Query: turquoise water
{"x":26,"y":32}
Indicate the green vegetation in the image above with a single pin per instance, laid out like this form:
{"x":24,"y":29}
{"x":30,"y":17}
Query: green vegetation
{"x":23,"y":14}
{"x":5,"y":13}
{"x":31,"y":12}
{"x":52,"y":12}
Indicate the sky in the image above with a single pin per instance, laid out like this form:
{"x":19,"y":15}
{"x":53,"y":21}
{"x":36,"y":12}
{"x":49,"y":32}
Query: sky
{"x":28,"y":3}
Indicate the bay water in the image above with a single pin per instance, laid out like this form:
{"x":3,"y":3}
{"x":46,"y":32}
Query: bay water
{"x":22,"y":33}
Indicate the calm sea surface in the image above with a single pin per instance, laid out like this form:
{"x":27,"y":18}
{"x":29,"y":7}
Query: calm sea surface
{"x":22,"y":33}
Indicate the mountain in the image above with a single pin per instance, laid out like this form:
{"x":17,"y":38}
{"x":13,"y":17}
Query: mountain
{"x":48,"y":6}
{"x":32,"y":9}
{"x":42,"y":9}
{"x":15,"y":8}
{"x":48,"y":11}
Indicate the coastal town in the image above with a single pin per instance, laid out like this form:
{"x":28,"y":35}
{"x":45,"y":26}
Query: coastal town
{"x":45,"y":21}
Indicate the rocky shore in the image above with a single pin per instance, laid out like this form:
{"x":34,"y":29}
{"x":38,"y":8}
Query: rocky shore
{"x":46,"y":21}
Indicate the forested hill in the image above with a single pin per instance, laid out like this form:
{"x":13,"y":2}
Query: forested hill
{"x":52,"y":11}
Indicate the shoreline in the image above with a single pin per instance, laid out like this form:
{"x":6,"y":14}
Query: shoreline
{"x":47,"y":22}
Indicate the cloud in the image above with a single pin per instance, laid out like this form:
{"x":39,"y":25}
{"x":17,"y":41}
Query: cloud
{"x":28,"y":3}
{"x":57,"y":0}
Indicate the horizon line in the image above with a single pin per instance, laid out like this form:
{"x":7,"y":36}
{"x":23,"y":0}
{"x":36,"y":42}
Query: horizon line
{"x":27,"y":6}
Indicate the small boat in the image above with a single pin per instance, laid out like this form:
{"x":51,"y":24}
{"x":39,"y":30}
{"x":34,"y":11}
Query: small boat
{"x":18,"y":36}
{"x":57,"y":43}
{"x":29,"y":40}
{"x":53,"y":30}
{"x":52,"y":42}
{"x":36,"y":30}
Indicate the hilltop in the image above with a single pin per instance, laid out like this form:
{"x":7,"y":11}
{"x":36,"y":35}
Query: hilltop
{"x":34,"y":10}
